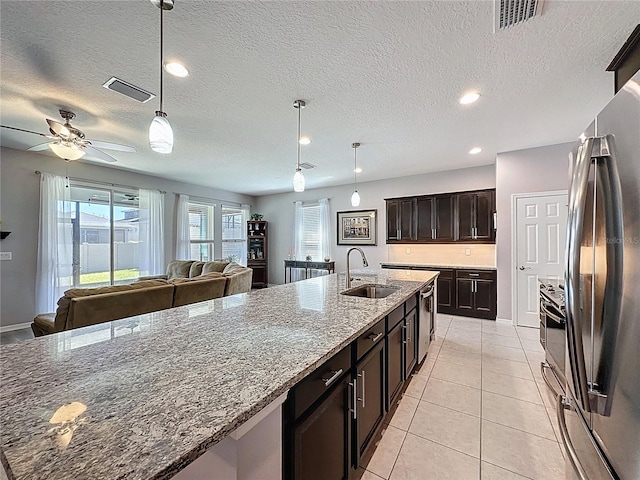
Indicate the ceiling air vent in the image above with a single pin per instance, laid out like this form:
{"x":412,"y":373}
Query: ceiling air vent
{"x":307,"y":165}
{"x":128,"y":89}
{"x":511,"y":12}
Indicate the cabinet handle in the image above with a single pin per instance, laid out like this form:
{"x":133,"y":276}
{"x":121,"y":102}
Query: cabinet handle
{"x":354,"y":398}
{"x":362,"y":388}
{"x":474,"y":274}
{"x":374,"y":338}
{"x":409,"y":322}
{"x":404,"y":331}
{"x":433,"y":234}
{"x":334,"y":375}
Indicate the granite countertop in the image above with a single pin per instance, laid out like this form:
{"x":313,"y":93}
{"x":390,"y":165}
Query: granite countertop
{"x":142,"y":397}
{"x":430,"y":265}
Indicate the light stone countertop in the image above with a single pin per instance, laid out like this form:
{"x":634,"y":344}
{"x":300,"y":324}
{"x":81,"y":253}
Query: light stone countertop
{"x":155,"y":391}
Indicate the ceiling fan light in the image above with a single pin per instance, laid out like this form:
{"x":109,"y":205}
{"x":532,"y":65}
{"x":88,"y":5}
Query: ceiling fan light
{"x":298,"y":181}
{"x":355,"y":199}
{"x":161,"y":134}
{"x":67,"y":151}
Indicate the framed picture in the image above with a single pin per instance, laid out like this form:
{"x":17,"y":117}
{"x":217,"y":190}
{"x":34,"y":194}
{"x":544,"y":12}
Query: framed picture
{"x":357,"y":227}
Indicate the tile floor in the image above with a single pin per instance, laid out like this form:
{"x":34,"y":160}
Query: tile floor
{"x":477,"y":409}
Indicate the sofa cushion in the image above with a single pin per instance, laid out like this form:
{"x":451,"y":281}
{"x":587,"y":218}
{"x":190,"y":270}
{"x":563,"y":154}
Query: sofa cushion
{"x":209,"y":267}
{"x":233,"y":267}
{"x":196,"y":269}
{"x":179,"y":268}
{"x":198,"y":289}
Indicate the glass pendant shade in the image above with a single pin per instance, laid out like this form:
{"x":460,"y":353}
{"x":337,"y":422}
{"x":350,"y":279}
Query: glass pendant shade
{"x":298,"y":181}
{"x":355,"y":199}
{"x":68,"y":151}
{"x":161,"y":134}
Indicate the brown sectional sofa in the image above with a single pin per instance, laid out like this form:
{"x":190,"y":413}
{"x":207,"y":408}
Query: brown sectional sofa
{"x":80,"y":307}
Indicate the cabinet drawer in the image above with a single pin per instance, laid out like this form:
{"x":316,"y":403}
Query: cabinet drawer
{"x":476,"y":274}
{"x":369,"y":338}
{"x":321,"y":380}
{"x":410,"y":304}
{"x":394,"y":317}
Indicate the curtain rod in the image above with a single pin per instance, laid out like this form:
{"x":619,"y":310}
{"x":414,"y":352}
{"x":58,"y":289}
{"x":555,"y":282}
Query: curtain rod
{"x":76,"y":179}
{"x":312,"y":202}
{"x":207,"y":199}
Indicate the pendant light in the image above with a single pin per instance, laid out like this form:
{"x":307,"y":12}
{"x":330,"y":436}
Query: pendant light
{"x":160,"y":132}
{"x":298,"y":178}
{"x":355,"y":198}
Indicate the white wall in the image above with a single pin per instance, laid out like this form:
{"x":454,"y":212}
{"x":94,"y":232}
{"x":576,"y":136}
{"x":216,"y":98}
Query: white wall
{"x":523,"y":171}
{"x":278,"y":210}
{"x":19,"y":206}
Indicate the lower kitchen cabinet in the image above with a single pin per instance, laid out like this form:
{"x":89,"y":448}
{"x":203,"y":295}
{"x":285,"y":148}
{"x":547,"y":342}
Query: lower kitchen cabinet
{"x":395,"y":352}
{"x":320,"y":449}
{"x":476,"y":294}
{"x":410,"y":343}
{"x":370,"y":402}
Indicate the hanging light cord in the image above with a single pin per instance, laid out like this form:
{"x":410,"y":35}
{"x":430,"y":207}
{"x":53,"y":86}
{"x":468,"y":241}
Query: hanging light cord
{"x":355,"y":162}
{"x":298,"y":139}
{"x":161,"y":50}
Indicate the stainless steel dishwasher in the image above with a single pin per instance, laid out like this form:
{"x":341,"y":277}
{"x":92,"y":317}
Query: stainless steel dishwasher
{"x":427,"y":320}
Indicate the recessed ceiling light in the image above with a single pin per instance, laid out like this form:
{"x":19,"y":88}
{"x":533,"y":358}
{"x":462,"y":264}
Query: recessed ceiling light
{"x":358,"y":169}
{"x":305,"y":140}
{"x":475,"y":150}
{"x":176,"y":69}
{"x":469,"y":98}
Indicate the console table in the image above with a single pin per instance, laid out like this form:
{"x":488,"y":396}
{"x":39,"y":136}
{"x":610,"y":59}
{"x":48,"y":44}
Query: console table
{"x":289,"y":264}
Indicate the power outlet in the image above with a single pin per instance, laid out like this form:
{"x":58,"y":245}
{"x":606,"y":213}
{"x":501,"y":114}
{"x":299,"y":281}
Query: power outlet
{"x":467,"y":251}
{"x":408,"y":251}
{"x":5,"y":255}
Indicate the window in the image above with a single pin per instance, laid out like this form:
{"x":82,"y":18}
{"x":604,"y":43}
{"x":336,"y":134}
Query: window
{"x":310,"y":245}
{"x":201,"y":231}
{"x":234,"y":242}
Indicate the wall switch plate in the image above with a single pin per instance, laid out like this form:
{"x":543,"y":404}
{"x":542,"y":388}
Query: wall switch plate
{"x":5,"y":255}
{"x":408,"y":251}
{"x":467,"y":251}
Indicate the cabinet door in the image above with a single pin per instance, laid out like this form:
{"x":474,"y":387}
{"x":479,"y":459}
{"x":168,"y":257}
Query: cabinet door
{"x":370,"y":405}
{"x":406,"y":219}
{"x":444,"y":218}
{"x":485,"y":300}
{"x":484,"y":207}
{"x":410,"y":343}
{"x":465,"y":216}
{"x":321,"y":441}
{"x":393,"y":213}
{"x":424,"y":219}
{"x":445,"y":291}
{"x":394,"y":363}
{"x":464,"y":295}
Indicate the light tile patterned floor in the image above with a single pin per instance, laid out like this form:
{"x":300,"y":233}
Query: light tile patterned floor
{"x":477,"y":409}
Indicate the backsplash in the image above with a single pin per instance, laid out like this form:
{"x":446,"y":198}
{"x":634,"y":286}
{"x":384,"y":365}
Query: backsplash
{"x":480,"y":255}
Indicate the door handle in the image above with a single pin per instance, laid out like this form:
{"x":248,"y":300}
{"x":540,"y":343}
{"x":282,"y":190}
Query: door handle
{"x":522,"y":267}
{"x":561,"y":404}
{"x":362,"y":387}
{"x":354,"y":399}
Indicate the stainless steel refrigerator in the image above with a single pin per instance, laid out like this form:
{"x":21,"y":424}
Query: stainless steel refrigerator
{"x":600,"y":416}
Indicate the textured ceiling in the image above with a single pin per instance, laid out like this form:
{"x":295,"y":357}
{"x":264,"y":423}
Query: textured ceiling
{"x":386,"y":74}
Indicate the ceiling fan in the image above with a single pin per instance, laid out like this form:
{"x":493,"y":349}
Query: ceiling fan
{"x":70,"y":143}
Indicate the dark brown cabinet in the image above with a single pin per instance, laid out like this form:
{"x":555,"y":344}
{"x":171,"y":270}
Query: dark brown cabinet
{"x":370,"y":402}
{"x":475,"y":216}
{"x":475,"y":294}
{"x":410,"y":343}
{"x":442,"y":218}
{"x":257,"y":252}
{"x":394,"y":368}
{"x":445,"y":290}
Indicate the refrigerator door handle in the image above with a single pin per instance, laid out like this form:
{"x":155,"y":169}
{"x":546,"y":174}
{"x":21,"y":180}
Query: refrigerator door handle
{"x":605,"y":158}
{"x":575,"y":225}
{"x":563,"y":403}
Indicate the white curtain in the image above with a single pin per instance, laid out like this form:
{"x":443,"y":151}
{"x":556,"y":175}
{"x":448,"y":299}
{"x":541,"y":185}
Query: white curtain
{"x":54,"y":272}
{"x":151,"y":252}
{"x":183,"y":250}
{"x":296,"y":243}
{"x":245,"y":216}
{"x":325,"y":228}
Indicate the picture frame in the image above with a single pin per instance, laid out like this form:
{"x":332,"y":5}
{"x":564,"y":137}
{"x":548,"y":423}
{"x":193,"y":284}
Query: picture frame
{"x":357,"y":227}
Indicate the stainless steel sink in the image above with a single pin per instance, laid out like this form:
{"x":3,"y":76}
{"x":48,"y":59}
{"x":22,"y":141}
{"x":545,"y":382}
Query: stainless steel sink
{"x":371,"y":290}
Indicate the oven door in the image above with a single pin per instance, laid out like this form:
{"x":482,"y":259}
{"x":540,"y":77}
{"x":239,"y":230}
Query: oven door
{"x":555,"y":338}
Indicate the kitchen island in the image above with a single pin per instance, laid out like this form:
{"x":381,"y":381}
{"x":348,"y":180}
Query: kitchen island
{"x":144,"y":397}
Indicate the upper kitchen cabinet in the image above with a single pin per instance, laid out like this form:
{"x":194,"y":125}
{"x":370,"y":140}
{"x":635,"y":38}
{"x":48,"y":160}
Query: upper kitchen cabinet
{"x":475,"y":216}
{"x":442,"y":218}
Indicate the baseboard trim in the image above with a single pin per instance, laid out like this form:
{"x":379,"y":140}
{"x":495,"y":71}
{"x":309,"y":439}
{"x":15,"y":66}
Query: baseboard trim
{"x":17,"y":326}
{"x":505,"y":321}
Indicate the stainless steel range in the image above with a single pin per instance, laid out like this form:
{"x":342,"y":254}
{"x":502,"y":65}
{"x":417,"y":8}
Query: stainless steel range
{"x":553,"y":327}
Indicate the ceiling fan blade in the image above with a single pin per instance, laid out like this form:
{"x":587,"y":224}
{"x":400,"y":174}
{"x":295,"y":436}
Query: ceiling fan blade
{"x":112,"y":146}
{"x":23,"y":130}
{"x":97,"y":154}
{"x":40,"y":147}
{"x":58,"y":129}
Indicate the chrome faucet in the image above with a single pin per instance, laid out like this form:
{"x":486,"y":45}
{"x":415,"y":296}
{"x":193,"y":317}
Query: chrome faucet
{"x":364,"y":263}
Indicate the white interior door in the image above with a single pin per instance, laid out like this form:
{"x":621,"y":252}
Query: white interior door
{"x":541,"y":224}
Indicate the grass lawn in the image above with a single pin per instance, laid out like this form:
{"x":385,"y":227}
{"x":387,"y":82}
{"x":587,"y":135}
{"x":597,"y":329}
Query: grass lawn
{"x":102,"y":277}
